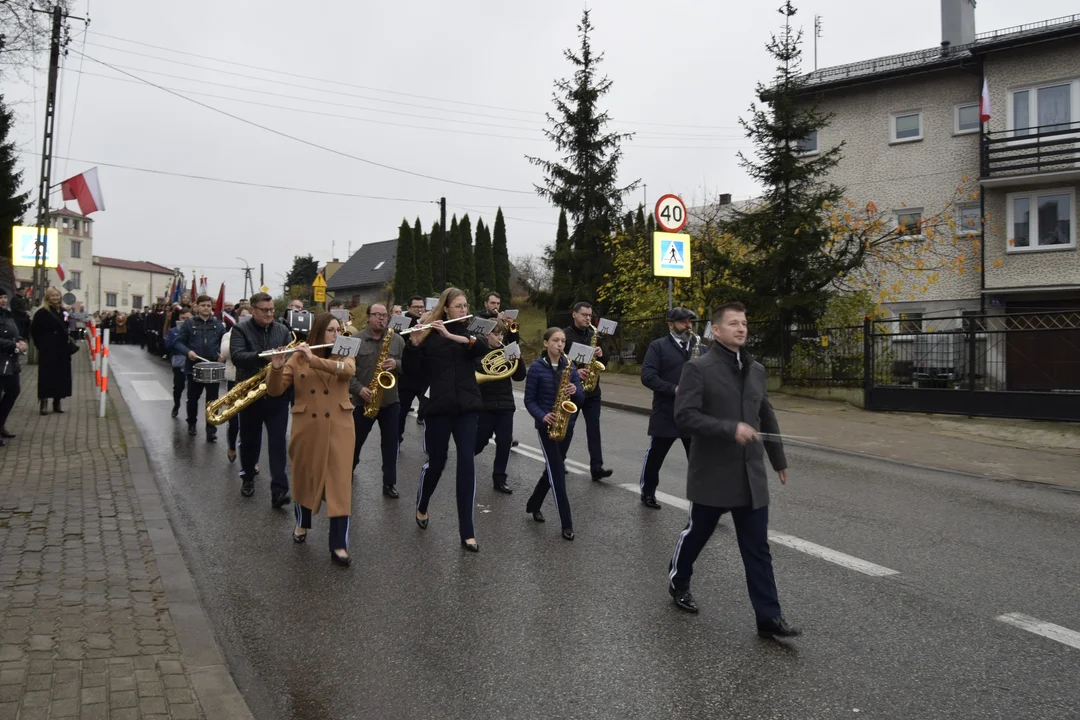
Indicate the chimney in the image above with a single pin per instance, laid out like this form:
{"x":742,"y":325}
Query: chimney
{"x":725,"y":199}
{"x":957,"y":23}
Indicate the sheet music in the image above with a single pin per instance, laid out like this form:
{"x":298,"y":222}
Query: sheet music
{"x":581,"y":354}
{"x":342,"y":316}
{"x":511,"y":314}
{"x":346,"y":346}
{"x":606,"y":327}
{"x":429,"y":303}
{"x":706,"y":334}
{"x":513,"y":351}
{"x":481,"y":326}
{"x":399,"y":322}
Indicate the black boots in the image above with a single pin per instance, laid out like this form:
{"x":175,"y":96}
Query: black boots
{"x":44,"y":407}
{"x":56,"y":406}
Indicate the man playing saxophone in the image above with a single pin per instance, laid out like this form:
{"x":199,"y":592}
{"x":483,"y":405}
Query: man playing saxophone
{"x":380,"y":352}
{"x":582,"y":331}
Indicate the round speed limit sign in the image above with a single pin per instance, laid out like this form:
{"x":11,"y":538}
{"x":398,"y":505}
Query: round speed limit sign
{"x":670,"y":213}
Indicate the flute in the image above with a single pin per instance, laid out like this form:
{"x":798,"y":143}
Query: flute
{"x":268,"y":353}
{"x":414,"y":328}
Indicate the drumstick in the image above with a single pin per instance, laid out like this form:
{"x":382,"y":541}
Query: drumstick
{"x":202,"y":358}
{"x":778,"y":436}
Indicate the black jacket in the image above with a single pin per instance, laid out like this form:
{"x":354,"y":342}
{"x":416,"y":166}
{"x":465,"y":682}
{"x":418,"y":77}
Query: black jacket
{"x":542,"y":387}
{"x":9,"y":335}
{"x":573,"y":335}
{"x":499,"y":394}
{"x":412,"y":376}
{"x":660,"y":373}
{"x":449,"y":369}
{"x":202,"y":336}
{"x":249,"y":339}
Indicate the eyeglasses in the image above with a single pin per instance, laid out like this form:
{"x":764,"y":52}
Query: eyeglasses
{"x":378,"y":315}
{"x":264,"y":309}
{"x":460,"y":306}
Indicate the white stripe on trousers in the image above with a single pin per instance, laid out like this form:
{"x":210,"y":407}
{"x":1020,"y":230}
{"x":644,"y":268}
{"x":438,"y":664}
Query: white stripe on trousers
{"x":423,"y":470}
{"x":641,"y":480}
{"x":551,"y":480}
{"x":678,"y":545}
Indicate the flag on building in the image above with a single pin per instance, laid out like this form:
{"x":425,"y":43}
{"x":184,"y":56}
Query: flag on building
{"x":984,"y":102}
{"x":85,"y":189}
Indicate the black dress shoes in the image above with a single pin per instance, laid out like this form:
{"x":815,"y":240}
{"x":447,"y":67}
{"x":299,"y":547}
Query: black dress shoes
{"x":777,"y":627}
{"x":5,"y":434}
{"x":568,"y":534}
{"x":390,"y":491}
{"x":299,"y":537}
{"x":537,"y":515}
{"x":684,"y":600}
{"x":473,"y":546}
{"x":649,"y":501}
{"x":342,"y":560}
{"x":280,"y":499}
{"x":211,"y":437}
{"x":192,"y":430}
{"x":422,"y":523}
{"x":176,"y":411}
{"x":502,"y":487}
{"x":598,"y":475}
{"x":56,"y":407}
{"x":44,"y":407}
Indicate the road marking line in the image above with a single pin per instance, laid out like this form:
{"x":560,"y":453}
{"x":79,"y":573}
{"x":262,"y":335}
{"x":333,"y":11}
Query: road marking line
{"x":570,"y":464}
{"x":1061,"y":634}
{"x":804,"y":546}
{"x":150,"y":390}
{"x":135,"y":373}
{"x":536,"y":455}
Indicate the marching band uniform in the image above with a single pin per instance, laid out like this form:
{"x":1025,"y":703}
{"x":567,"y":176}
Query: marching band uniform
{"x":412,"y":386}
{"x":203,"y":337}
{"x":370,"y":347}
{"x":497,"y":419}
{"x":178,"y":362}
{"x":590,"y":409}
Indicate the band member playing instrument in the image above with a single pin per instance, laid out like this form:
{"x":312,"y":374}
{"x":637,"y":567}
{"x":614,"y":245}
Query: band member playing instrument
{"x":660,"y":373}
{"x":177,"y":359}
{"x":230,"y":381}
{"x":372,"y":339}
{"x":250,"y":338}
{"x":413,"y":384}
{"x":322,"y":431}
{"x":581,"y":331}
{"x":200,"y":339}
{"x":493,"y":311}
{"x":498,"y":416}
{"x":723,"y":403}
{"x":549,"y":374}
{"x":445,"y":355}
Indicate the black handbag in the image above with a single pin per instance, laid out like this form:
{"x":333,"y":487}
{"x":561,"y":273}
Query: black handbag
{"x":73,"y":347}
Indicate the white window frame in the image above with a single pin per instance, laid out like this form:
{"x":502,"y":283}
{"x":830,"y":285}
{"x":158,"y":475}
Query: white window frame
{"x":1033,"y":230}
{"x":76,"y":279}
{"x":956,"y":119}
{"x":815,"y":150}
{"x":115,"y":299}
{"x":909,"y":211}
{"x":893,"y":140}
{"x":1033,"y":103}
{"x":964,"y":231}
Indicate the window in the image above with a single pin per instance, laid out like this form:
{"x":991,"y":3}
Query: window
{"x":808,"y":145}
{"x":75,"y":225}
{"x":136,"y":302}
{"x":906,"y":127}
{"x":968,"y":220}
{"x":910,"y":323}
{"x":967,"y":119}
{"x":65,"y":223}
{"x":909,"y":222}
{"x":76,"y":248}
{"x":381,"y":263}
{"x":1041,"y":220}
{"x":76,"y":280}
{"x":1042,"y":109}
{"x":110,"y":299}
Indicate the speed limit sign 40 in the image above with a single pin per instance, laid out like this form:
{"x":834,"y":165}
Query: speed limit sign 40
{"x":671,"y":213}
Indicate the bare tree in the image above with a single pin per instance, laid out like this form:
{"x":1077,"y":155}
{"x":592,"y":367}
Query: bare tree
{"x":533,"y":273}
{"x":25,"y":33}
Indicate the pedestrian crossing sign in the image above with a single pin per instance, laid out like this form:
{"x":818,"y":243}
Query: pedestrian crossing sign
{"x":671,"y":254}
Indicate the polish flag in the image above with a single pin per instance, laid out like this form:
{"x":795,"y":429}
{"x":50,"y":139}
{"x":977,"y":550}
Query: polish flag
{"x":984,"y":102}
{"x":61,"y":271}
{"x":85,"y":189}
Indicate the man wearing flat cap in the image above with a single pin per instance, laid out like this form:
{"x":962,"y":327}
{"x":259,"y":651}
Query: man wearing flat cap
{"x":660,"y":373}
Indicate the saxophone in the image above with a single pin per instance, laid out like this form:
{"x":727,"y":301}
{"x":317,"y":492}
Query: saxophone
{"x":595,"y":367}
{"x":381,"y":379}
{"x":564,"y":408}
{"x":243,"y":394}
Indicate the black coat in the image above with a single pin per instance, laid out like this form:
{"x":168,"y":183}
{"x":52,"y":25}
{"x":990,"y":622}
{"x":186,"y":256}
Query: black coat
{"x":499,"y":394}
{"x":412,"y":376}
{"x":49,"y":331}
{"x":9,"y":335}
{"x":660,"y":373}
{"x":573,"y":335}
{"x":449,"y":369}
{"x":249,"y":339}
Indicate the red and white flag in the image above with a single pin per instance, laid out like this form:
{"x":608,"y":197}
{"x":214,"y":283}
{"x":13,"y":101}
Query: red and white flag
{"x":219,"y":304}
{"x":61,"y":272}
{"x":984,"y":102}
{"x":86,"y":190}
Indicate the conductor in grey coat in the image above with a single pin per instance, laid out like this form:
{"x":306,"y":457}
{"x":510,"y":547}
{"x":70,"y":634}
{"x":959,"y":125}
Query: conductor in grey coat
{"x":723,"y":404}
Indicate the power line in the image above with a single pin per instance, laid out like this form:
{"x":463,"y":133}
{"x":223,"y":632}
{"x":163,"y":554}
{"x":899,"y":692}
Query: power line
{"x":309,"y":143}
{"x":78,"y":86}
{"x":505,"y":217}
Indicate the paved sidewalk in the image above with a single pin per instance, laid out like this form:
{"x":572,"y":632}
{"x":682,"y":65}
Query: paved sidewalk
{"x":1001,"y":449}
{"x":86,"y":623}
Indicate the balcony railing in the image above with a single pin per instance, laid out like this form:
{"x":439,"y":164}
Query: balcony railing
{"x":1030,"y":151}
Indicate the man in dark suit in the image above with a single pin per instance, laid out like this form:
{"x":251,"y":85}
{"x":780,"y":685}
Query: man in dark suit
{"x":582,"y":331}
{"x":660,"y":372}
{"x":722,"y":402}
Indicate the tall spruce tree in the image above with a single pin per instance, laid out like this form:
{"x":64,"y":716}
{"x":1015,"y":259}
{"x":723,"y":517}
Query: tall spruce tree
{"x":561,"y":260}
{"x":792,"y":262}
{"x":467,"y":259}
{"x":501,"y":259}
{"x":436,"y":247}
{"x":13,"y":204}
{"x":422,"y":286}
{"x":485,"y":264}
{"x":405,"y":271}
{"x":455,"y":266}
{"x":584,"y":182}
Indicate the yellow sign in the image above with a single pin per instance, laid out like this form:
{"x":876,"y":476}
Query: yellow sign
{"x":319,"y":282}
{"x":671,"y":254}
{"x":265,"y":288}
{"x":23,"y":240}
{"x":320,"y":293}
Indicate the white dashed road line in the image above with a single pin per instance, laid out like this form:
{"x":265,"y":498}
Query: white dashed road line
{"x":537,"y":454}
{"x":150,"y":390}
{"x":1063,"y":635}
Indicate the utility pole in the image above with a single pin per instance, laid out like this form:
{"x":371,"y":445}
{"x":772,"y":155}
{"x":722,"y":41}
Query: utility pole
{"x":247,"y":278}
{"x":442,"y":229}
{"x":41,"y":245}
{"x":262,"y":276}
{"x":817,"y":34}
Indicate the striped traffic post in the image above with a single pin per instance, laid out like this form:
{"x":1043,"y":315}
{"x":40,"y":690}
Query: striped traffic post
{"x":104,"y":373}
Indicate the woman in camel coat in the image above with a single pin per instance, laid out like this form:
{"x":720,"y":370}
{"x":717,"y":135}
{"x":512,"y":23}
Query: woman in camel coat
{"x":321,"y":442}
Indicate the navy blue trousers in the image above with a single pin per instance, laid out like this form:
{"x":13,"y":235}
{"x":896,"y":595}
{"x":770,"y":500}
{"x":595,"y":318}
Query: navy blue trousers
{"x":9,"y":392}
{"x":406,"y":395}
{"x":499,"y":423}
{"x":273,"y":412}
{"x":590,"y":412}
{"x":194,"y":391}
{"x":438,"y":430}
{"x":339,"y":527}
{"x":654,"y":460}
{"x":752,"y":532}
{"x":388,"y":436}
{"x":554,"y":478}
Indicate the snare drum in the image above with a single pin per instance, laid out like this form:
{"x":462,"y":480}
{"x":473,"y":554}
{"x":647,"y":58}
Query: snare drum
{"x":208,"y":372}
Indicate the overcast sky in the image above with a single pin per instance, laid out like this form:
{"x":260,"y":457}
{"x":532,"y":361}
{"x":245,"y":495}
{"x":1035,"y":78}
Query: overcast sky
{"x":477,"y":74}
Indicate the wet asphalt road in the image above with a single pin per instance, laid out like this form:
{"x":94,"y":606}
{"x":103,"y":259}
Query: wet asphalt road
{"x":536,"y":627}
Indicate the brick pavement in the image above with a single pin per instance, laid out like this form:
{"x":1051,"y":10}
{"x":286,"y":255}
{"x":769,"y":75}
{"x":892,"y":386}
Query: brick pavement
{"x":85,"y":625}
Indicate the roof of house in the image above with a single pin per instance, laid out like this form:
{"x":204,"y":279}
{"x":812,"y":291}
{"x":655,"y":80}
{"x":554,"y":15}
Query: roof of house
{"x":64,"y":212}
{"x":938,"y":58}
{"x":372,"y":264}
{"x":132,"y":265}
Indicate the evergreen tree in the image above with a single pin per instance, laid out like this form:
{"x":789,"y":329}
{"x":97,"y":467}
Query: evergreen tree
{"x":561,"y":260}
{"x":405,"y":271}
{"x":467,"y":260}
{"x":485,"y":265}
{"x":794,"y":259}
{"x":13,"y":204}
{"x":585,"y":184}
{"x":304,"y":271}
{"x":455,"y":271}
{"x":423,"y":261}
{"x":501,"y":259}
{"x":435,"y":252}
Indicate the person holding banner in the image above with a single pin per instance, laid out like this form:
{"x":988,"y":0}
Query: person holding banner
{"x":497,"y":417}
{"x":581,"y":331}
{"x":444,"y":357}
{"x":322,"y":430}
{"x":371,"y":340}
